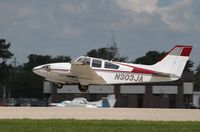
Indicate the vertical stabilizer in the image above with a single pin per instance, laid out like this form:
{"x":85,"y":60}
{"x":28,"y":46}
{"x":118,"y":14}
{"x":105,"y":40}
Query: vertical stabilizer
{"x":175,"y":60}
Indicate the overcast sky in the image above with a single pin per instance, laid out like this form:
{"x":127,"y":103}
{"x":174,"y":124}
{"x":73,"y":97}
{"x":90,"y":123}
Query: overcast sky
{"x":73,"y":27}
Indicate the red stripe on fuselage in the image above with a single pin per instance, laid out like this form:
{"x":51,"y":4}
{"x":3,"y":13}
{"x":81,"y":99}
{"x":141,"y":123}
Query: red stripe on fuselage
{"x":138,"y":69}
{"x":141,"y":70}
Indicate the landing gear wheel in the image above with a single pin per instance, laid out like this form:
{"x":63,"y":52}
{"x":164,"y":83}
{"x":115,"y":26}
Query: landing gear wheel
{"x":83,"y":88}
{"x":58,"y":85}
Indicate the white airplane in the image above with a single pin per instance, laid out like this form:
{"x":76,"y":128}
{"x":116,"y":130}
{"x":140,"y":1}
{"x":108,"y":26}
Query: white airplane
{"x":86,"y":71}
{"x":108,"y":102}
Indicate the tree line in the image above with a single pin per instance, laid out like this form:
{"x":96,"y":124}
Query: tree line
{"x":20,"y":81}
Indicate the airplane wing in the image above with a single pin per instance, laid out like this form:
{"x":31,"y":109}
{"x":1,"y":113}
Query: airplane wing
{"x":85,"y":74}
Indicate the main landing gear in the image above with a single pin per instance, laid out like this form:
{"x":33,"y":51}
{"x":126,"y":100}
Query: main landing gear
{"x":83,"y":88}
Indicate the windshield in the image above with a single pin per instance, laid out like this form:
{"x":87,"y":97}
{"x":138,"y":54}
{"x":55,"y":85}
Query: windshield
{"x":82,"y":59}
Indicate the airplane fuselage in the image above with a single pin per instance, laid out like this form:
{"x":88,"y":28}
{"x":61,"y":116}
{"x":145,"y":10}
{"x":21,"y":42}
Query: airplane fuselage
{"x":111,"y":72}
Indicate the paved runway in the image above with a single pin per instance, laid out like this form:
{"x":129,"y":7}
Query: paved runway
{"x":102,"y":113}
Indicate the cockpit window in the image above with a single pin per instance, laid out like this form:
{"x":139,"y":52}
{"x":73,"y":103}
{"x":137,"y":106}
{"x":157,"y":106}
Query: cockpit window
{"x":96,"y":63}
{"x":83,"y":60}
{"x":111,"y":65}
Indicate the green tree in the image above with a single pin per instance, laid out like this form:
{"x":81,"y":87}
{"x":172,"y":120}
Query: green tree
{"x":4,"y":51}
{"x":36,"y":60}
{"x":197,"y":78}
{"x":189,"y":66}
{"x":150,"y":58}
{"x":5,"y":69}
{"x":198,"y":69}
{"x":24,"y":83}
{"x":153,"y":57}
{"x":61,"y":59}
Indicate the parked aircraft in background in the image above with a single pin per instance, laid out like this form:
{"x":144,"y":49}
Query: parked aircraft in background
{"x":108,"y":101}
{"x":85,"y":71}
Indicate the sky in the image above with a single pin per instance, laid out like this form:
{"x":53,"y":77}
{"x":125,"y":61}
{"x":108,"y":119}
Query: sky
{"x":74,"y":27}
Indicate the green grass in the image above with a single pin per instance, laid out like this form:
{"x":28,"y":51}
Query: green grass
{"x":27,"y":125}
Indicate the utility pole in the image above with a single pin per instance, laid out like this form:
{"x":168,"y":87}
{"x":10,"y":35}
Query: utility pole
{"x":15,"y":62}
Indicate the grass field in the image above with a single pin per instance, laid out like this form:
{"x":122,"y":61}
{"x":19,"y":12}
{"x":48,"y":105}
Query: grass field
{"x":27,"y":125}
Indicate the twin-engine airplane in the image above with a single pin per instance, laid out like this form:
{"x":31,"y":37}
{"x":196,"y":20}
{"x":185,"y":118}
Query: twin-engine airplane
{"x":86,"y":71}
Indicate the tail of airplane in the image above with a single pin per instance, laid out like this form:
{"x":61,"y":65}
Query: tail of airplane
{"x":109,"y":101}
{"x":174,"y":62}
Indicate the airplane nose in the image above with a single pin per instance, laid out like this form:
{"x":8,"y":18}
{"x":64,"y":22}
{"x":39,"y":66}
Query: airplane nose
{"x":36,"y":69}
{"x":41,"y":70}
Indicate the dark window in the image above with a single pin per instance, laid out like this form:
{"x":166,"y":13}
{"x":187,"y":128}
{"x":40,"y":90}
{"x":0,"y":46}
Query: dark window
{"x":172,"y":101}
{"x":124,"y":101}
{"x":111,"y":65}
{"x":140,"y":101}
{"x":96,"y":63}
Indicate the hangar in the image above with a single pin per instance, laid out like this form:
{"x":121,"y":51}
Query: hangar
{"x":177,"y":94}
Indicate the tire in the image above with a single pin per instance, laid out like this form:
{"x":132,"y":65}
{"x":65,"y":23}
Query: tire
{"x":83,"y":88}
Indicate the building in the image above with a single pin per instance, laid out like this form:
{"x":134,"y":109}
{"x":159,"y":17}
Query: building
{"x":176,"y":94}
{"x":196,"y":99}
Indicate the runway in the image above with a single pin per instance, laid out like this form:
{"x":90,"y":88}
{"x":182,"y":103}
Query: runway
{"x":99,"y":114}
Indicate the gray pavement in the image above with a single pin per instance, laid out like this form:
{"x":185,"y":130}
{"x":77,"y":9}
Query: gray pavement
{"x":102,"y":113}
